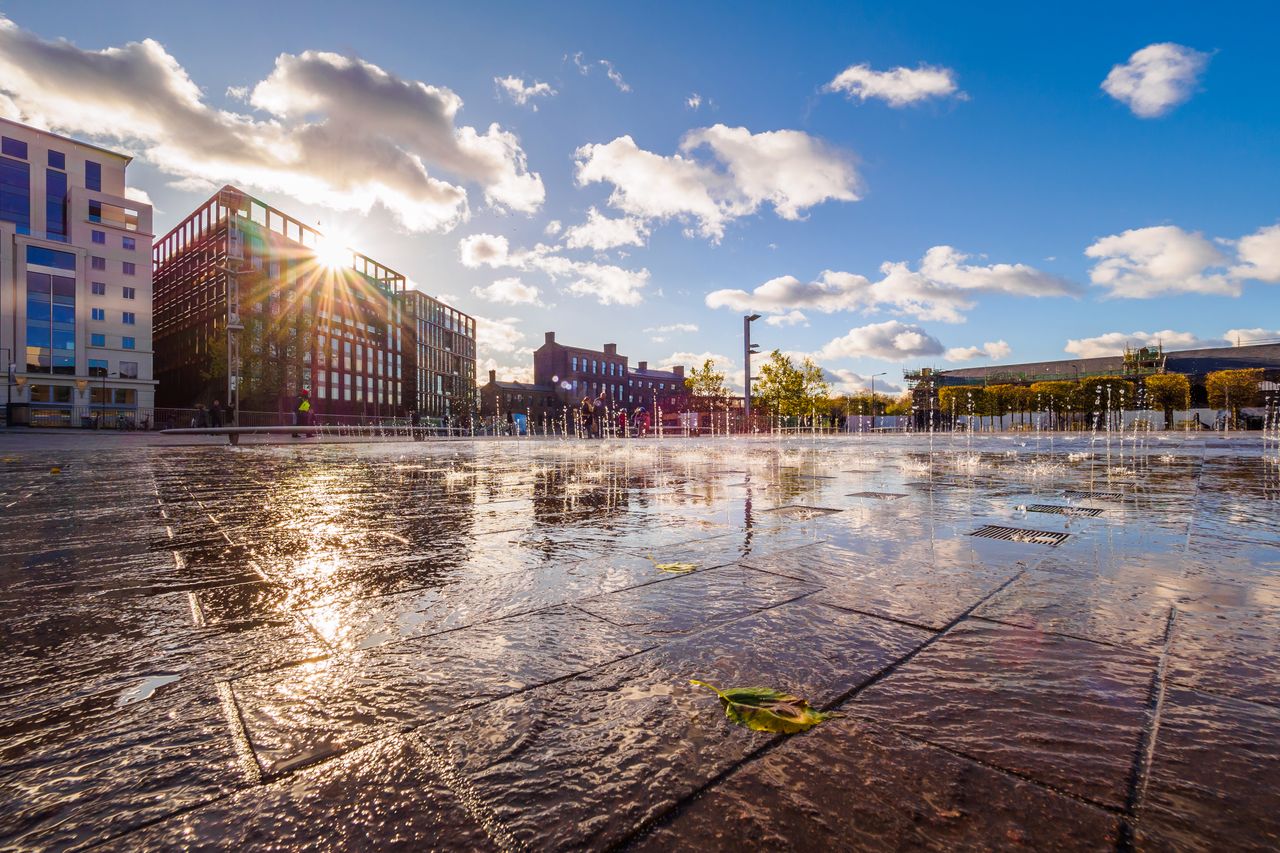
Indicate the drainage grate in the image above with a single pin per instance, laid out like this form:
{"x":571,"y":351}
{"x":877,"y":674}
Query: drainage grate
{"x":1089,"y":512}
{"x":1092,"y":496}
{"x":880,"y":496}
{"x":803,"y":512}
{"x":1020,"y":534}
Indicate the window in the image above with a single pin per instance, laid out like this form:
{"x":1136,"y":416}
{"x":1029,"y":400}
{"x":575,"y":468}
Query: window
{"x":57,"y":160}
{"x":98,"y":263}
{"x":100,"y":237}
{"x":130,"y":293}
{"x":92,"y":175}
{"x":98,"y":367}
{"x":55,"y":205}
{"x":130,"y":318}
{"x":128,"y":370}
{"x":129,"y":243}
{"x":15,"y":194}
{"x":124,"y":218}
{"x":99,"y":313}
{"x":13,"y":148}
{"x":99,"y":288}
{"x":130,"y":268}
{"x":97,"y":340}
{"x":128,"y":343}
{"x":42,"y":257}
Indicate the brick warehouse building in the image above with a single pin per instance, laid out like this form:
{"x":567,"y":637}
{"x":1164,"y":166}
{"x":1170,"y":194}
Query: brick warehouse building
{"x":304,"y":313}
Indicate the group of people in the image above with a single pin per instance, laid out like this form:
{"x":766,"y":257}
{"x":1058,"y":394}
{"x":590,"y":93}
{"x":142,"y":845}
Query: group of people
{"x":599,"y":416}
{"x":213,"y":416}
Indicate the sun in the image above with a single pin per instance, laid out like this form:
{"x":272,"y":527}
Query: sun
{"x":332,"y":253}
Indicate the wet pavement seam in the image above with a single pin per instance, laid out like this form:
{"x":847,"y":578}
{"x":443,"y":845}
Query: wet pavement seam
{"x":1080,"y":637}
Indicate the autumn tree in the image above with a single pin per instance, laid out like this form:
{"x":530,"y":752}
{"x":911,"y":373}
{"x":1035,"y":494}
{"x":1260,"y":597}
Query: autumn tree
{"x":1057,"y":397}
{"x":1233,"y":389}
{"x":1167,"y":392}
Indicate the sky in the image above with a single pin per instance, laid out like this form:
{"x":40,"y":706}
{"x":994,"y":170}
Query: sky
{"x":888,"y":185}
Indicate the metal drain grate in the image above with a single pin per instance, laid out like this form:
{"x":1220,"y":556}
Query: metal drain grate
{"x":802,"y":512}
{"x":880,"y":496}
{"x":1089,"y":512}
{"x":1095,"y":496}
{"x":1020,"y":534}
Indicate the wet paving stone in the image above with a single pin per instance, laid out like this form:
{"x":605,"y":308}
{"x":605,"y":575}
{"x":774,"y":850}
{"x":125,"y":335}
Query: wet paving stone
{"x":388,"y":794}
{"x":1064,"y":712}
{"x":855,"y":786}
{"x":1232,"y":651}
{"x":1213,"y":777}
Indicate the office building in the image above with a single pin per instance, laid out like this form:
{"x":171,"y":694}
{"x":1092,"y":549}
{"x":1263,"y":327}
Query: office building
{"x":75,"y":284}
{"x":440,"y":358}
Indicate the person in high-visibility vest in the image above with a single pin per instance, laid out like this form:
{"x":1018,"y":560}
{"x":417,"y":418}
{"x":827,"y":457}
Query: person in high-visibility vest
{"x":302,"y":412}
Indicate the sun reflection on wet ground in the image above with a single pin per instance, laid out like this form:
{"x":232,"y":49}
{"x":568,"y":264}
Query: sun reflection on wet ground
{"x":475,"y":644}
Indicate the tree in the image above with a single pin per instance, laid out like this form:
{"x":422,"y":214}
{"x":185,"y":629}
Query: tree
{"x":1058,"y":398}
{"x":1168,"y":391}
{"x":781,"y":386}
{"x":1105,"y":395}
{"x":1233,"y":389}
{"x":706,"y":385}
{"x":813,"y":386}
{"x":1001,"y":399}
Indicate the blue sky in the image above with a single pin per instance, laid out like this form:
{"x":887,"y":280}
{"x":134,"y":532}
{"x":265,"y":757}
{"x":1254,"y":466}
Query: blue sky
{"x":1019,"y":157}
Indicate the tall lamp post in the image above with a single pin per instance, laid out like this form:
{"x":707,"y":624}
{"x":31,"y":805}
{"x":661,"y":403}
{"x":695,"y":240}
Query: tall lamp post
{"x":748,"y":349}
{"x":873,"y":398}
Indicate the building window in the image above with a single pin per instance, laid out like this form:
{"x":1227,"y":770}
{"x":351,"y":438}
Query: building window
{"x":99,"y":288}
{"x":130,"y":293}
{"x":128,"y":343}
{"x":129,"y":243}
{"x":128,"y":370}
{"x":15,"y":194}
{"x":98,"y":263}
{"x":42,"y":257}
{"x":55,"y":205}
{"x":100,"y":237}
{"x":130,"y":268}
{"x":13,"y":148}
{"x":57,"y":160}
{"x":99,"y":313}
{"x":97,"y":340}
{"x":130,"y":318}
{"x":98,"y":367}
{"x":92,"y":175}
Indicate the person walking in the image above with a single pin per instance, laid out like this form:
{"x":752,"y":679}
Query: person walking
{"x":215,"y":414}
{"x":302,"y":411}
{"x":588,"y":412}
{"x":641,"y":422}
{"x":602,"y":415}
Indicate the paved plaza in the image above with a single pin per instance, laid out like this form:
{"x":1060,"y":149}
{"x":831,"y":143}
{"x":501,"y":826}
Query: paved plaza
{"x":481,"y":645}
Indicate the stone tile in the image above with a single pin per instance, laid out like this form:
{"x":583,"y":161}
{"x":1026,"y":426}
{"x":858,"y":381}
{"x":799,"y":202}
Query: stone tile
{"x":390,"y":793}
{"x":1065,"y":712}
{"x":1234,"y":651}
{"x":854,"y":786}
{"x":1214,"y":774}
{"x":300,"y":714}
{"x":582,"y":763}
{"x":694,"y":601}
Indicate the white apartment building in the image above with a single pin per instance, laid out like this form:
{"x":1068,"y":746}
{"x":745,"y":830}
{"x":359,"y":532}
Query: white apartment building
{"x":75,"y":284}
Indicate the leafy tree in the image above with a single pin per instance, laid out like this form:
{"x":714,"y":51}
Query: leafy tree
{"x":780,"y":388}
{"x":1233,"y":389}
{"x":1001,"y":399}
{"x":1058,"y":397}
{"x":813,"y":385}
{"x":1104,"y":394}
{"x":1167,"y":392}
{"x":706,"y":385}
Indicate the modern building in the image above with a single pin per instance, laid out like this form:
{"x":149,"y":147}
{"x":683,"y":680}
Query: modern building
{"x":253,"y":305}
{"x":75,"y":283}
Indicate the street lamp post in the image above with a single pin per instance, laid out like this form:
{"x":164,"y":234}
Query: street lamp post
{"x":748,"y":349}
{"x":873,"y":398}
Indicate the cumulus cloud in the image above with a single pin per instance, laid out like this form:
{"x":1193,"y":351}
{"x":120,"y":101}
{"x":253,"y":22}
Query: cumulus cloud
{"x":606,"y":283}
{"x":516,"y":372}
{"x":585,"y":66}
{"x":510,"y":291}
{"x":890,"y":341}
{"x":942,"y":288}
{"x":601,"y":232}
{"x":339,"y":132}
{"x":991,"y":349}
{"x":788,"y":169}
{"x":1114,"y":343}
{"x":791,"y":318}
{"x":844,"y":381}
{"x":1146,"y":262}
{"x":673,"y":327}
{"x":139,"y":195}
{"x":693,"y":101}
{"x":898,"y":87}
{"x":1244,"y":336}
{"x":497,"y":335}
{"x":1259,"y":255}
{"x":553,"y":228}
{"x":523,"y":93}
{"x":1156,"y":78}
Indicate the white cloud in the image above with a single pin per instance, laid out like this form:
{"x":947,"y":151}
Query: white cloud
{"x":889,"y":341}
{"x":991,"y":349}
{"x":791,"y":318}
{"x":673,"y":327}
{"x":898,"y":87}
{"x":340,"y":132}
{"x":788,"y":169}
{"x":497,"y":335}
{"x":523,"y":93}
{"x":844,"y":381}
{"x":1114,"y":343}
{"x":585,"y":66}
{"x":489,"y":250}
{"x":731,"y":369}
{"x":1244,"y":336}
{"x":600,"y":232}
{"x":942,"y":288}
{"x":518,"y":372}
{"x":1146,"y":262}
{"x":553,"y":228}
{"x":1259,"y":255}
{"x":139,"y":195}
{"x":693,"y":101}
{"x":1156,"y":78}
{"x":510,"y":291}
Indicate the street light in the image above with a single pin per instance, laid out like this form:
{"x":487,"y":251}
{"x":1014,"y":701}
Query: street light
{"x":873,"y":398}
{"x":748,"y":349}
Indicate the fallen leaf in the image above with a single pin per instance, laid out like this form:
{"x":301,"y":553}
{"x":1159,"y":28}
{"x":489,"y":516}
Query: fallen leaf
{"x":55,"y":470}
{"x":674,"y":568}
{"x":766,"y":710}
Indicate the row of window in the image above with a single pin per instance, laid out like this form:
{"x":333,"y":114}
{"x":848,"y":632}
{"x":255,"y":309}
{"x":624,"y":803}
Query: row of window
{"x":604,"y":368}
{"x":97,"y":339}
{"x":15,"y":188}
{"x":127,"y":369}
{"x":127,"y":267}
{"x":129,"y":318}
{"x":61,"y":394}
{"x":99,"y":288}
{"x":129,"y":243}
{"x":17,"y":149}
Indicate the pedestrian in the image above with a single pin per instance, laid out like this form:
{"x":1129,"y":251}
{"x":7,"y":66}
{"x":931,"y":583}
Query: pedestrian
{"x":302,"y":411}
{"x":641,"y":422}
{"x":602,"y":415}
{"x":202,"y":417}
{"x":622,"y":422}
{"x":215,"y":414}
{"x":588,"y":412}
{"x":415,"y":422}
{"x":511,"y":424}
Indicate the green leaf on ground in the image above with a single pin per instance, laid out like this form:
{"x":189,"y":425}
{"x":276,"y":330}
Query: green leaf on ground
{"x":674,"y":568}
{"x":767,"y":710}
